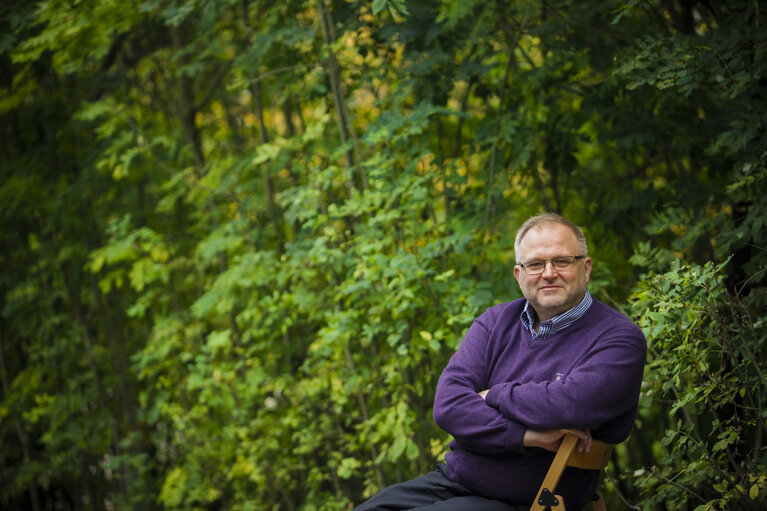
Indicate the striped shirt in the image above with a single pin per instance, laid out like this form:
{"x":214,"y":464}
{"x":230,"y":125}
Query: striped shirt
{"x":557,"y":323}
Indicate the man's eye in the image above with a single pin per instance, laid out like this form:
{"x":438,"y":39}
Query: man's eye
{"x":561,"y":262}
{"x":535,"y":266}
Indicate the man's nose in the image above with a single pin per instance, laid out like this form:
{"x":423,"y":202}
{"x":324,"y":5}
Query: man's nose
{"x":548,"y":270}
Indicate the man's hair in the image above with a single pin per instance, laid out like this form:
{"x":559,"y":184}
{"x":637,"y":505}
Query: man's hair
{"x":549,"y":218}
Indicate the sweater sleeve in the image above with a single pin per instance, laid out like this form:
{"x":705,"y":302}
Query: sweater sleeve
{"x":602,"y":385}
{"x":461,"y":411}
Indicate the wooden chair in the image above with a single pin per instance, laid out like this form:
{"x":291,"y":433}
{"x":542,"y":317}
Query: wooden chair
{"x":567,"y":455}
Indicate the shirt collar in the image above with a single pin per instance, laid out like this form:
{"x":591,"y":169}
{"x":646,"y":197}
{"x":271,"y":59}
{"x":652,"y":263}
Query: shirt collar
{"x":557,"y":323}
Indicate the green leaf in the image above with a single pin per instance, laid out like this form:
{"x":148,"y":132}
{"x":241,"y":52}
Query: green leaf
{"x":378,"y":6}
{"x":174,"y":489}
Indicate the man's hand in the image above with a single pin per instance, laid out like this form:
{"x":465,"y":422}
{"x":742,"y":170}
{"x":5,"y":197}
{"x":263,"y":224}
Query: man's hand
{"x":550,"y":440}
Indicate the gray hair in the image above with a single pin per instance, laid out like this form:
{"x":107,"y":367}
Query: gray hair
{"x":549,"y":218}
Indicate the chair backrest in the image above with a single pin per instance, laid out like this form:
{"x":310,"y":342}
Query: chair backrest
{"x":567,"y":455}
{"x":596,"y":459}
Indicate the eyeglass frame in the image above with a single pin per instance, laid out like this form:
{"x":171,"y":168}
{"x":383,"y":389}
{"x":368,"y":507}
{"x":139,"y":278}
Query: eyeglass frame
{"x":571,"y":262}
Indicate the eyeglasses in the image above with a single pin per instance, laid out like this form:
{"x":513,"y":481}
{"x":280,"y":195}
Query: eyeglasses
{"x":559,"y":264}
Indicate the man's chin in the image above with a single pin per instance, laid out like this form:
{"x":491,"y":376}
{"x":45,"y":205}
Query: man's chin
{"x":552,"y":300}
{"x":553,"y":306}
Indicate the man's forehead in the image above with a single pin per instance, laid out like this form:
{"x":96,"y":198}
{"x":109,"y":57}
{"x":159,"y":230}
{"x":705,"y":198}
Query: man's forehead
{"x":547,"y":235}
{"x":548,"y":230}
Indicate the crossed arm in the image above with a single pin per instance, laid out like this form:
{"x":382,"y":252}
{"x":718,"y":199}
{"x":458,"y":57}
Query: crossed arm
{"x":513,"y":415}
{"x":551,"y":439}
{"x":482,"y":428}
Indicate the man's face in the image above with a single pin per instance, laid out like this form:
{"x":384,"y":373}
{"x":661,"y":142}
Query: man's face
{"x":552,"y":292}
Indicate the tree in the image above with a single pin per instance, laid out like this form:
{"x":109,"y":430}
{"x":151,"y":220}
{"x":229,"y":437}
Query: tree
{"x":241,"y":239}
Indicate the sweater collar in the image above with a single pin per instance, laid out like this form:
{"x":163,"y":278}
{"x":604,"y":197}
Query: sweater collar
{"x":557,"y":323}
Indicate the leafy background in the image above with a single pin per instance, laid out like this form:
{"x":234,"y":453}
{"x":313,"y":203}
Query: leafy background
{"x":241,"y":238}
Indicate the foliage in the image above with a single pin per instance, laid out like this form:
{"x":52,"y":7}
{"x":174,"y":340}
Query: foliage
{"x":241,"y":239}
{"x":708,"y":361}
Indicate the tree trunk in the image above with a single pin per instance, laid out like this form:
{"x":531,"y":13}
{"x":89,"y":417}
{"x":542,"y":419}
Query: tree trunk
{"x":34,"y":498}
{"x":345,"y":127}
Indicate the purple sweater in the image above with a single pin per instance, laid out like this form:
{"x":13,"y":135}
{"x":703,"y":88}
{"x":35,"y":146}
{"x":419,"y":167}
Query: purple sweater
{"x":586,"y":376}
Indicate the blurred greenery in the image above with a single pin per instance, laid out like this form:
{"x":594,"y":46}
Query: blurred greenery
{"x":240,"y":238}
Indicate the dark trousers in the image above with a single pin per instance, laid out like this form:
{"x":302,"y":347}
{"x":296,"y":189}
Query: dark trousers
{"x":435,"y":491}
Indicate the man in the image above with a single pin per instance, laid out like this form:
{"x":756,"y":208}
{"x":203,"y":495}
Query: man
{"x":527,"y":369}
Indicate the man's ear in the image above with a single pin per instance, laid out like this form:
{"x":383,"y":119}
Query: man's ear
{"x":587,"y":262}
{"x":516,"y":273}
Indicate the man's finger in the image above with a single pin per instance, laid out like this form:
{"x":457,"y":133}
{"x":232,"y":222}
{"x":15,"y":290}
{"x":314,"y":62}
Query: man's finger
{"x":584,"y":445}
{"x":577,"y":432}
